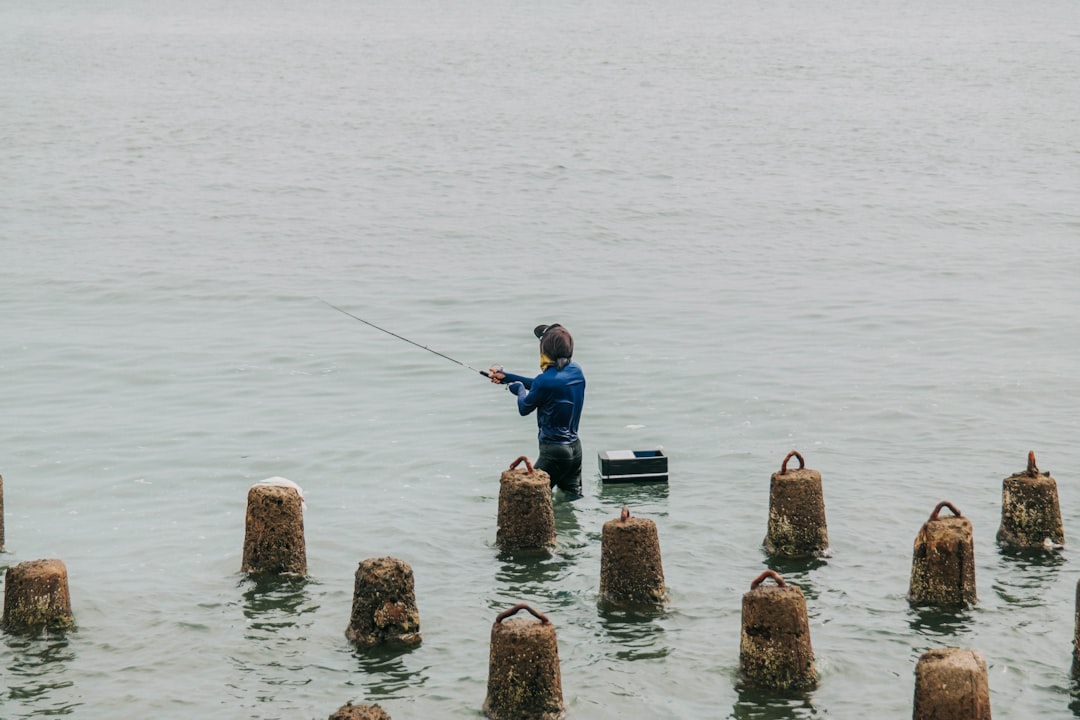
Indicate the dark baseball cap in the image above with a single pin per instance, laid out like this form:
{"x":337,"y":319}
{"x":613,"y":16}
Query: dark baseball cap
{"x":539,"y":330}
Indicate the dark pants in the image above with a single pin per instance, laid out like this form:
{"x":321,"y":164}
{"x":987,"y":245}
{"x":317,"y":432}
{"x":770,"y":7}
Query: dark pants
{"x":563,"y":464}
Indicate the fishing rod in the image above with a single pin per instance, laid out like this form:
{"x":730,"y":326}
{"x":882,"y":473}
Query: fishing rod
{"x":485,"y":373}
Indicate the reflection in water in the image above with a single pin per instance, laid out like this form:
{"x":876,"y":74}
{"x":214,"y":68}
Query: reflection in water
{"x":278,"y":613}
{"x":37,"y":671}
{"x":1074,"y":694}
{"x":567,"y":528}
{"x":636,"y":635}
{"x":634,"y":494}
{"x":759,"y":704}
{"x":275,"y":603}
{"x":385,"y":674}
{"x":940,"y":622}
{"x":1025,"y":575}
{"x":523,"y":569}
{"x":533,"y":578}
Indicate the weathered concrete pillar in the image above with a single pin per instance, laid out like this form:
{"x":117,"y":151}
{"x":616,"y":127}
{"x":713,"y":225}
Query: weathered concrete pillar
{"x":943,"y":562}
{"x":797,"y":526}
{"x":1076,"y":633}
{"x":775,"y":651}
{"x":1030,"y":511}
{"x":524,"y":682}
{"x":274,"y":531}
{"x":36,"y":597}
{"x":384,"y":605}
{"x":631,"y":572}
{"x":526,"y":515}
{"x":349,"y":711}
{"x":951,"y":684}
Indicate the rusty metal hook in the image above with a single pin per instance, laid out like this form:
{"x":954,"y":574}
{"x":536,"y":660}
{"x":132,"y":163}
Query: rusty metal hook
{"x":522,"y":606}
{"x":944,"y":504}
{"x":625,"y":514}
{"x":768,"y":574}
{"x":1032,"y":468}
{"x":528,"y":465}
{"x":793,"y":453}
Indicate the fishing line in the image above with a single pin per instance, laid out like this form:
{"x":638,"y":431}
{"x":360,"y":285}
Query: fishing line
{"x":485,"y":373}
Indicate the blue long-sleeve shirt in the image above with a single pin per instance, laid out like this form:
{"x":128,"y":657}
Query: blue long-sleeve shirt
{"x":557,"y":396}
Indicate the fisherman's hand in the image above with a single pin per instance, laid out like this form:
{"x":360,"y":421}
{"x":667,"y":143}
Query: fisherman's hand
{"x":515,"y":387}
{"x":496,"y":374}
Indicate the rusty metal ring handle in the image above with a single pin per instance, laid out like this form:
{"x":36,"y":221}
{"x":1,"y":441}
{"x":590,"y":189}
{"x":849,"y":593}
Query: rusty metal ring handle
{"x":528,"y":465}
{"x":944,"y":504}
{"x":522,"y":606}
{"x":795,"y":454}
{"x":1032,"y":469}
{"x":768,"y":574}
{"x":625,"y":515}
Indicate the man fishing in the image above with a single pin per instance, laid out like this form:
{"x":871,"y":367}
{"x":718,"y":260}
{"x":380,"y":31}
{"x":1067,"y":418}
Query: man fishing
{"x":557,"y":395}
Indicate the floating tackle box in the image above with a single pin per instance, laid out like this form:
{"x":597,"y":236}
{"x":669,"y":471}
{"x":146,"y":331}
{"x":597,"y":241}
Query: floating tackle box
{"x":633,"y":466}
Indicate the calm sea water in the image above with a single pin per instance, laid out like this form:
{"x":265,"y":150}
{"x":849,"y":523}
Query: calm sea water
{"x":847,"y":229}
